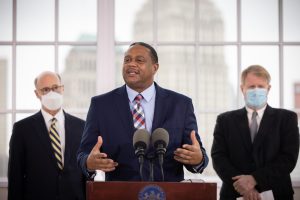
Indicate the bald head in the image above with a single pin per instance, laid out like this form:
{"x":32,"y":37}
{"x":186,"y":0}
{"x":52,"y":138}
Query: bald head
{"x":46,"y":76}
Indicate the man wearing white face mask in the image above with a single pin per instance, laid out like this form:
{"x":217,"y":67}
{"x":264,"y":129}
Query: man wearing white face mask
{"x":256,"y":148}
{"x":43,"y":148}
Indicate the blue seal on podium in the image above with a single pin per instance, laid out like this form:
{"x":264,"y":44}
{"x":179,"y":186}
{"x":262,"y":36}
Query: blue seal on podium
{"x":152,"y":192}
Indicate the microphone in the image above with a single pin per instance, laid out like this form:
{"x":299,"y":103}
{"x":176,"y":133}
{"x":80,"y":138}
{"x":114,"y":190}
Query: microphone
{"x":141,"y":139}
{"x":160,"y":141}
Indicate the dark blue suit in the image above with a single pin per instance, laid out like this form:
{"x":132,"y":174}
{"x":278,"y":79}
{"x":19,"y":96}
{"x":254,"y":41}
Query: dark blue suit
{"x":33,"y":172}
{"x":270,"y":159}
{"x":110,"y":116}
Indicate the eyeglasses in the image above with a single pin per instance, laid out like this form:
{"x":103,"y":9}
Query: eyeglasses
{"x":54,"y":88}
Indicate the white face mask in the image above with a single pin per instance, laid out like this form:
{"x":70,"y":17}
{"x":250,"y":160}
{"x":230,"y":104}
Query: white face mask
{"x":52,"y":100}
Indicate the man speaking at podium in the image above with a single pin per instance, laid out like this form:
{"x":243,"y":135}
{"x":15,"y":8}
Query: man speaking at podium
{"x":107,"y":138}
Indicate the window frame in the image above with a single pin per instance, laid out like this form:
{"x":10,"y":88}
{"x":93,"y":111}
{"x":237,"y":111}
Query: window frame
{"x":105,"y":63}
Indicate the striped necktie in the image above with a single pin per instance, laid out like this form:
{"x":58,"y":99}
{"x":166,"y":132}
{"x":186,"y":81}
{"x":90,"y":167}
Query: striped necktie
{"x":138,"y":113}
{"x":55,"y":142}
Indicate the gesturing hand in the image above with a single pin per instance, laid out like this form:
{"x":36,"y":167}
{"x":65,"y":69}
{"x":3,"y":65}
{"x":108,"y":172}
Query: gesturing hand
{"x":189,"y":154}
{"x":97,"y":160}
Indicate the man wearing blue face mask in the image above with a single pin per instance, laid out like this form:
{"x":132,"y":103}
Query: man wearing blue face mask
{"x":256,"y":148}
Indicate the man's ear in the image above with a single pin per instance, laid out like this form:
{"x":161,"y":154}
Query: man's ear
{"x":156,"y":66}
{"x":37,"y":94}
{"x":241,"y":87}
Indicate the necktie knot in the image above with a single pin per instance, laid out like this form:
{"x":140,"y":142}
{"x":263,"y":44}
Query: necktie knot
{"x":53,"y":120}
{"x":138,"y":98}
{"x":254,"y":115}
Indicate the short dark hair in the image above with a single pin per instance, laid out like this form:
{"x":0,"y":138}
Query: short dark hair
{"x":153,"y":53}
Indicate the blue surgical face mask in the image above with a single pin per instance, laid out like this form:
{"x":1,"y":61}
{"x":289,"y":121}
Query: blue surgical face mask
{"x":256,"y":98}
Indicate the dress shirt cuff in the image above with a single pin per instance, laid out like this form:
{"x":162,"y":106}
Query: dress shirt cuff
{"x":199,"y":167}
{"x":90,"y":174}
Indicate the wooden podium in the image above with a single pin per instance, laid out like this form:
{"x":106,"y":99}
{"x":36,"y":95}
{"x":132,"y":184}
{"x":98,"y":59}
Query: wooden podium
{"x":150,"y":190}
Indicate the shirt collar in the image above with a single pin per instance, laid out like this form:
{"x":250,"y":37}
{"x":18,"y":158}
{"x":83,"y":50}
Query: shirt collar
{"x":260,"y":112}
{"x":147,"y":94}
{"x":59,"y":115}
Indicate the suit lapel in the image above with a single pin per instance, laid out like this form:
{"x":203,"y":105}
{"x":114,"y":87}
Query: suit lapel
{"x":68,"y":140}
{"x":244,"y":131}
{"x":121,"y":102}
{"x":43,"y":135}
{"x":161,"y":107}
{"x":265,"y":126}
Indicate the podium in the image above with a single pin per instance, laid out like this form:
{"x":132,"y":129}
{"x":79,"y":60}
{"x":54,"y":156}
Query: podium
{"x":150,"y":190}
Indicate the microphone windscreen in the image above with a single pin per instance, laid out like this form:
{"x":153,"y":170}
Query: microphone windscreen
{"x":141,"y":137}
{"x":160,"y":136}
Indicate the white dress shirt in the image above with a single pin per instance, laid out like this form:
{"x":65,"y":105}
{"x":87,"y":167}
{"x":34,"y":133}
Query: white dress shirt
{"x":259,"y":116}
{"x":60,"y":125}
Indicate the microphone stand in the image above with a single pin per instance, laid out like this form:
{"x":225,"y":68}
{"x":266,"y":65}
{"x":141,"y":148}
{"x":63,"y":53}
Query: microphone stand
{"x":151,"y":157}
{"x":140,"y":153}
{"x":160,"y":151}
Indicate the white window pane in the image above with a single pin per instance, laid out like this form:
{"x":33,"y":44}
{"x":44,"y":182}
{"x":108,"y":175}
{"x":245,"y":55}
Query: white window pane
{"x":266,"y":56}
{"x":31,"y":61}
{"x":231,"y":71}
{"x":5,"y":77}
{"x":176,"y":20}
{"x":20,"y":116}
{"x":216,"y":78}
{"x":77,"y":20}
{"x":177,"y":69}
{"x":259,"y":20}
{"x":133,"y":20}
{"x":35,"y":20}
{"x":78,"y":73}
{"x":119,"y":58}
{"x":291,"y":16}
{"x":5,"y":132}
{"x":206,"y":125}
{"x":292,"y":87}
{"x":6,"y":20}
{"x":217,"y":20}
{"x":291,"y":77}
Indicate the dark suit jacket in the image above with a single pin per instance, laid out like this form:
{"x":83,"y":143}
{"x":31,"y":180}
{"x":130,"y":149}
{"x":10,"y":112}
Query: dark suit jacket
{"x":270,"y":159}
{"x":32,"y":170}
{"x":110,"y":116}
